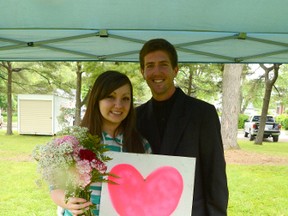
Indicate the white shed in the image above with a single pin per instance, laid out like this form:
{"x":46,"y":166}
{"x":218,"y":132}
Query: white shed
{"x":37,"y":114}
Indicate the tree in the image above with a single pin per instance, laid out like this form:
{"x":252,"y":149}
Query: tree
{"x":3,"y":89}
{"x":78,"y":103}
{"x":8,"y":66}
{"x":231,"y":104}
{"x":280,"y":97}
{"x":251,"y":87}
{"x":141,"y":91}
{"x":271,"y":75}
{"x":50,"y":77}
{"x":35,"y":78}
{"x":203,"y":81}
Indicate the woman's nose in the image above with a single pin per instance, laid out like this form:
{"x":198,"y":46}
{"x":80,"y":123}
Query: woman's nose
{"x":118,"y":103}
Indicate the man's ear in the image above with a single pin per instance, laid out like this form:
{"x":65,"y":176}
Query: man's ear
{"x":142,"y":72}
{"x":176,"y":69}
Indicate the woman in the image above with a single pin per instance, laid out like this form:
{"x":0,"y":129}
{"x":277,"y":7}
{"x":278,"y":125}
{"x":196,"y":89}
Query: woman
{"x":110,"y":115}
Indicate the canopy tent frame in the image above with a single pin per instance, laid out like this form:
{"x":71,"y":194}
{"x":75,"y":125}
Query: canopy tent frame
{"x":98,"y":30}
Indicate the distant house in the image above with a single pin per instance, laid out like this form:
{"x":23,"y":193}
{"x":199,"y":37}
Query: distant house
{"x":37,"y":114}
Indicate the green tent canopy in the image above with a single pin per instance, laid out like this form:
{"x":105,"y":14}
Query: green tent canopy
{"x":203,"y":31}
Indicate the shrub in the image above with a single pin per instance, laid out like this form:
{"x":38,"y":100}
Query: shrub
{"x":283,"y":120}
{"x":285,"y":123}
{"x":241,"y":120}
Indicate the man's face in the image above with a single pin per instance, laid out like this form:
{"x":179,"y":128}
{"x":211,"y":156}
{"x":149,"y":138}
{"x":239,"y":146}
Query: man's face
{"x":159,"y":74}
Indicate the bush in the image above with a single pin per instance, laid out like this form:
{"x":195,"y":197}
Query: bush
{"x":14,"y":116}
{"x":241,"y":120}
{"x":283,"y":120}
{"x":285,"y":123}
{"x":4,"y":114}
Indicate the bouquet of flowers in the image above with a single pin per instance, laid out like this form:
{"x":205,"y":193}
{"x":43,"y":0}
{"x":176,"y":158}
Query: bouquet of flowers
{"x":72,"y":161}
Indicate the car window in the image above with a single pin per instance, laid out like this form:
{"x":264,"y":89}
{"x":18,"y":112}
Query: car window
{"x":270,"y":119}
{"x":256,"y":118}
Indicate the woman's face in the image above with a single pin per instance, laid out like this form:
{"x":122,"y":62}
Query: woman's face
{"x":115,"y":107}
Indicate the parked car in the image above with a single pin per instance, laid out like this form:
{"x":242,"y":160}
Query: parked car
{"x":272,"y":129}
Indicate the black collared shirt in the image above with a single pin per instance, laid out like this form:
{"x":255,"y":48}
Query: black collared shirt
{"x":161,"y":111}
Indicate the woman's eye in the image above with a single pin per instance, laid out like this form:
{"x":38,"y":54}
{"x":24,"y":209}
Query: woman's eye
{"x":126,"y":99}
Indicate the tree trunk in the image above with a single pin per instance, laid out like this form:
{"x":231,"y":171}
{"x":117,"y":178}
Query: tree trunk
{"x":190,"y":82}
{"x":9,"y":99}
{"x":231,"y":104}
{"x":10,"y":70}
{"x":78,"y":94}
{"x":269,"y":82}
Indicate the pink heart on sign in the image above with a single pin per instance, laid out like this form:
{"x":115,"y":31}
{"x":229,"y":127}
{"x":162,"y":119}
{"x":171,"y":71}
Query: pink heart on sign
{"x":157,"y":195}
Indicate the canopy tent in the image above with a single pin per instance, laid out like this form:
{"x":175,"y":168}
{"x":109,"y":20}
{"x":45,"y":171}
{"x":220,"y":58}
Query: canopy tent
{"x":203,"y":31}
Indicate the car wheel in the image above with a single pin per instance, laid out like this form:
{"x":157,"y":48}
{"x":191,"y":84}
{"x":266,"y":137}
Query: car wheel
{"x":275,"y":138}
{"x":245,"y":134}
{"x":251,"y":137}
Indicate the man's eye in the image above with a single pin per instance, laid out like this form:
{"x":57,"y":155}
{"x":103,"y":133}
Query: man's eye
{"x":149,"y":66}
{"x":164,"y":64}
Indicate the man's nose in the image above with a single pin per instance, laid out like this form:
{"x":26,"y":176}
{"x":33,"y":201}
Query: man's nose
{"x":157,"y":69}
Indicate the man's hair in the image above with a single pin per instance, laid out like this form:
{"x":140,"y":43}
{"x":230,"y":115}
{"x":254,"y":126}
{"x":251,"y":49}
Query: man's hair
{"x":156,"y":45}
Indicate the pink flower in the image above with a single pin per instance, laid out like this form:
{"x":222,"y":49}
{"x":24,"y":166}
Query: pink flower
{"x":99,"y":165}
{"x":70,"y":139}
{"x":84,"y":179}
{"x":84,"y":172}
{"x":83,"y":166}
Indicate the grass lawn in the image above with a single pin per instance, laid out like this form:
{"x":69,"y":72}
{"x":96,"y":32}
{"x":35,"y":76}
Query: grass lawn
{"x":269,"y":148}
{"x":254,"y":189}
{"x":19,"y":193}
{"x":257,"y":190}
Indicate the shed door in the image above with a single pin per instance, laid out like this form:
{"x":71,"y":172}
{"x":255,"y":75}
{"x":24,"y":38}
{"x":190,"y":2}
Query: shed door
{"x":35,"y":117}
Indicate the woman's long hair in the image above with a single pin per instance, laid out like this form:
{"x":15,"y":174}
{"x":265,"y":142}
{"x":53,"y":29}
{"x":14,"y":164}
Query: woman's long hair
{"x":104,"y":85}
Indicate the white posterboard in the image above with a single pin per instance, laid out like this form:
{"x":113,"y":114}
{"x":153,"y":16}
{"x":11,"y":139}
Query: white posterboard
{"x":148,"y":185}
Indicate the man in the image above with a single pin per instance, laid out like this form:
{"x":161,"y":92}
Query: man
{"x":179,"y":125}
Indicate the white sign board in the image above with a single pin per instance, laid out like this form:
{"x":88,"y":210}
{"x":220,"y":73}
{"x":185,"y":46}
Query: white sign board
{"x":148,"y":185}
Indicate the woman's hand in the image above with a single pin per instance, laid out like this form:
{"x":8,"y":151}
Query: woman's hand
{"x":77,"y":206}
